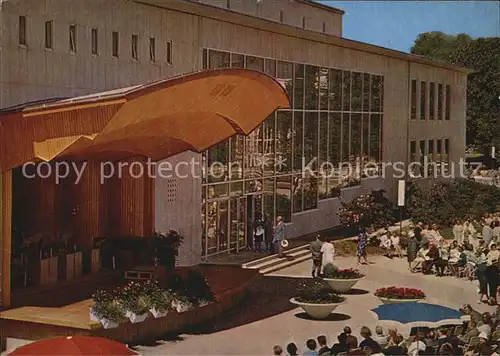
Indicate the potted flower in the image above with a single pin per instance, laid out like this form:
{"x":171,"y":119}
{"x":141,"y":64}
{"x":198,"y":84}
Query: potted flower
{"x":316,"y":299}
{"x":133,"y":300}
{"x":158,"y":300}
{"x":192,"y":290}
{"x":106,"y":310}
{"x":391,"y":295}
{"x":341,"y":280}
{"x":181,"y":303}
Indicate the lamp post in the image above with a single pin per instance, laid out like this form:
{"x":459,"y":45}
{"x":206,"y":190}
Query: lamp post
{"x":401,"y":202}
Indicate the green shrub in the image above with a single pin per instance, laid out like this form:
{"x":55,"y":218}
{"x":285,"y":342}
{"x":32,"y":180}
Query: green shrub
{"x":447,"y":201}
{"x":106,"y":307}
{"x":333,"y":272}
{"x":317,"y":292}
{"x":194,"y":288}
{"x":368,"y":210}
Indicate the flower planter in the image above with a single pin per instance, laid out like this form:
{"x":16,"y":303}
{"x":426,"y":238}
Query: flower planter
{"x":396,"y":301}
{"x":108,"y":324}
{"x":181,"y":307}
{"x":93,"y":317}
{"x":341,"y":285}
{"x":157,"y":313}
{"x":316,"y":311}
{"x":136,"y":318}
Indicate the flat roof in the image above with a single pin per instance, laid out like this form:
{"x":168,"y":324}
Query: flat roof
{"x":322,"y":6}
{"x":222,"y":14}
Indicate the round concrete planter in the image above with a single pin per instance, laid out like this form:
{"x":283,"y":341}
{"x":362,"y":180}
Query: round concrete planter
{"x":397,"y":301}
{"x":316,"y":311}
{"x":342,"y":285}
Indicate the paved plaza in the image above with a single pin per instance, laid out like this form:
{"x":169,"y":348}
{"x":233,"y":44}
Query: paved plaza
{"x":266,"y":318}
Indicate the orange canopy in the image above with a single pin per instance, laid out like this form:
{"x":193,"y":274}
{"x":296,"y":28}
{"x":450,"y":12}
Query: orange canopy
{"x":159,"y":120}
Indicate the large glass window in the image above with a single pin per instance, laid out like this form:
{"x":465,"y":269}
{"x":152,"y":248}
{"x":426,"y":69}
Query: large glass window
{"x":356,"y":122}
{"x":357,"y":91}
{"x":298,"y":97}
{"x":284,"y":197}
{"x":366,"y":92}
{"x":334,"y":138}
{"x":422,"y":155}
{"x":375,"y":137}
{"x":413,"y":99}
{"x":336,"y":116}
{"x":298,"y":141}
{"x":376,"y":93}
{"x":311,"y":140}
{"x":335,"y":90}
{"x":440,"y":102}
{"x":311,"y":88}
{"x":255,"y":63}
{"x":218,"y":59}
{"x":345,"y":137}
{"x":432,"y":100}
{"x":268,"y":160}
{"x":323,"y":88}
{"x":285,"y":77}
{"x":284,"y":144}
{"x":423,"y":100}
{"x":346,"y":90}
{"x":448,"y":103}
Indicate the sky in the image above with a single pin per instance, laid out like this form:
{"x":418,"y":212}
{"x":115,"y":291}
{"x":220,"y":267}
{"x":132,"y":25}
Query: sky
{"x":396,"y":24}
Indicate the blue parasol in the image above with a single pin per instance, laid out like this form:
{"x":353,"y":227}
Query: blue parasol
{"x":418,"y":314}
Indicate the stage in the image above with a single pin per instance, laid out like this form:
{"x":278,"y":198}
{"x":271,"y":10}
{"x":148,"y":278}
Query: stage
{"x":29,"y":323}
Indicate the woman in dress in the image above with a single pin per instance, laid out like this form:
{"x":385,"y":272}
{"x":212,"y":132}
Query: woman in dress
{"x":458,"y":232}
{"x":396,"y":245}
{"x":411,"y":251}
{"x":421,"y":257}
{"x":361,"y":248}
{"x":328,"y":253}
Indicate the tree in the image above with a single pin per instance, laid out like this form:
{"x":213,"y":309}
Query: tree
{"x":483,"y":89}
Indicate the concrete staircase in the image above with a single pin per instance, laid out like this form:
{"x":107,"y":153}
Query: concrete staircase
{"x":273,"y":263}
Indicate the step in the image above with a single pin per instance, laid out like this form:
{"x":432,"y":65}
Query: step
{"x":285,"y":264}
{"x":274,"y":258}
{"x":262,"y":260}
{"x":278,"y":261}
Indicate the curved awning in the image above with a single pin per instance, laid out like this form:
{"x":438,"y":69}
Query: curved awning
{"x":159,"y":120}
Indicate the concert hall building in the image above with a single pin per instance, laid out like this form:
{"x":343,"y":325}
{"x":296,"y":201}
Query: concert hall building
{"x":350,"y":102}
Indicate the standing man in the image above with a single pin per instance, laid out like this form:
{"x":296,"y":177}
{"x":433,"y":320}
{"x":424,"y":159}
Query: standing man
{"x":279,"y":235}
{"x":487,"y":232}
{"x":317,"y":256}
{"x":268,"y":234}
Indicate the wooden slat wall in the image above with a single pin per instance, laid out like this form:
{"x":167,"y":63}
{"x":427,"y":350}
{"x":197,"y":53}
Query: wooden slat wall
{"x":5,"y":234}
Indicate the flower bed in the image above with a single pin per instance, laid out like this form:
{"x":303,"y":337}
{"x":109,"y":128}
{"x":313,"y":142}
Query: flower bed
{"x":134,"y":301}
{"x":333,"y":272}
{"x":341,"y":280}
{"x":399,"y":294}
{"x":317,"y":299}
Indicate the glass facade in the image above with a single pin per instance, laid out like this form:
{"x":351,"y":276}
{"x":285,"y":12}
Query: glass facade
{"x":293,"y":160}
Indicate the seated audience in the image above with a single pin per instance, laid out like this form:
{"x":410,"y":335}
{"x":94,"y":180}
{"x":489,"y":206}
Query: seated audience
{"x":292,"y":349}
{"x":394,"y":347}
{"x":482,"y":348}
{"x":352,"y":344}
{"x":311,"y":348}
{"x":417,"y":345}
{"x":323,"y":349}
{"x":380,"y":338}
{"x":470,"y":332}
{"x":431,"y":339}
{"x":474,"y":314}
{"x":486,"y":325}
{"x":368,"y":342}
{"x":277,"y":350}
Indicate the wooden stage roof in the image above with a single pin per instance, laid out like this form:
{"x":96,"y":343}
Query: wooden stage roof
{"x":158,"y":120}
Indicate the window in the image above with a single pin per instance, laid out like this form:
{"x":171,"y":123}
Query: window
{"x":135,"y":45}
{"x":255,"y":63}
{"x":48,"y":34}
{"x":423,"y":100}
{"x":421,"y":154}
{"x":281,"y":16}
{"x":298,"y":100}
{"x":413,"y":115}
{"x":376,"y":93}
{"x":152,"y":49}
{"x":431,"y":150}
{"x":440,"y":102}
{"x":323,"y":88}
{"x":169,"y":52}
{"x":324,"y":27}
{"x":311,"y":88}
{"x":366,"y":92}
{"x":22,"y":30}
{"x":335,"y":91}
{"x":116,"y":44}
{"x":237,"y":60}
{"x":357,"y":92}
{"x":228,"y":4}
{"x":346,"y":90}
{"x":413,"y":158}
{"x":94,"y":39}
{"x":345,"y":138}
{"x":72,"y":38}
{"x":446,"y":155}
{"x":285,"y":77}
{"x":219,"y":59}
{"x":432,"y":100}
{"x":439,"y":150}
{"x":448,"y":103}
{"x":303,"y":22}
